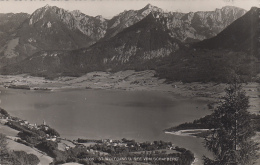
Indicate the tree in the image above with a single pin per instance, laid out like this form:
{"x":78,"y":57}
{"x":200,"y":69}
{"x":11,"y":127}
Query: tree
{"x":21,"y":157}
{"x":15,"y":157}
{"x":231,"y":139}
{"x":3,"y":149}
{"x":52,"y":132}
{"x":3,"y":112}
{"x":49,"y":147}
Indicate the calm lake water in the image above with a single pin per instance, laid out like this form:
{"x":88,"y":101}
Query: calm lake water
{"x":99,"y":114}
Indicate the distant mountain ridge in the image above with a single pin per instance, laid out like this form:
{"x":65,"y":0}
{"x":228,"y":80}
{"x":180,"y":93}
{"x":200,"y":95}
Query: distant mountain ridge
{"x":187,"y":27}
{"x":234,"y":51}
{"x":53,"y":28}
{"x":145,"y":39}
{"x":242,"y":35}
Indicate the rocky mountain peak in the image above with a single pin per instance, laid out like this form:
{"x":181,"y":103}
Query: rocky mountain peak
{"x":45,"y":12}
{"x":92,"y":27}
{"x":149,"y":6}
{"x":128,"y":18}
{"x":48,"y":8}
{"x":76,"y":12}
{"x":230,"y":10}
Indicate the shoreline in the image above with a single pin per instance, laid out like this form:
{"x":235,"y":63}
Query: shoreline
{"x":13,"y":145}
{"x":183,"y":133}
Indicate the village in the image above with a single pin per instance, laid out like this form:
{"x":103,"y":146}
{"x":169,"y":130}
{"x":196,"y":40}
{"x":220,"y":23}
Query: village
{"x":15,"y":122}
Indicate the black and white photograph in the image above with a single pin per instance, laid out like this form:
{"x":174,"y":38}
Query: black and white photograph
{"x":129,"y":82}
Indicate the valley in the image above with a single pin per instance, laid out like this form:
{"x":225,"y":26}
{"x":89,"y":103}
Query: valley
{"x":140,"y":84}
{"x":128,"y":80}
{"x":124,"y":80}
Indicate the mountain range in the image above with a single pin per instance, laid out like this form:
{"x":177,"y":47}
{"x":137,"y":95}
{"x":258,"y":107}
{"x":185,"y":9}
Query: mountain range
{"x":54,"y":41}
{"x":242,"y":35}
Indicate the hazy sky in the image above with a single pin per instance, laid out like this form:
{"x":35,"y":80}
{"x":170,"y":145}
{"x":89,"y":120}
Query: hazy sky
{"x":109,"y":8}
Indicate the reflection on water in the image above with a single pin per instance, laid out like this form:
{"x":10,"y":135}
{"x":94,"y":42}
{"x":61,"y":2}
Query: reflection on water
{"x":100,"y":114}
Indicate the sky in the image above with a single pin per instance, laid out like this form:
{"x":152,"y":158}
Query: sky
{"x":110,"y":8}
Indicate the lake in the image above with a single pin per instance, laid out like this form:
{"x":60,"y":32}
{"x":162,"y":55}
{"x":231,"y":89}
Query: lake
{"x":102,"y":114}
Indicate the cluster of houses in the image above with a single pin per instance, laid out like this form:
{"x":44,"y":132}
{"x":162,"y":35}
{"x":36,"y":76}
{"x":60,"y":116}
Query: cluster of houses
{"x":110,"y":142}
{"x":119,"y":143}
{"x":6,"y":118}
